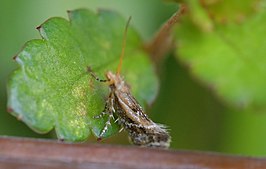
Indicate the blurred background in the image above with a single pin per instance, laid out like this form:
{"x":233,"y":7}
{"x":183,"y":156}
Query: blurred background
{"x":198,"y":119}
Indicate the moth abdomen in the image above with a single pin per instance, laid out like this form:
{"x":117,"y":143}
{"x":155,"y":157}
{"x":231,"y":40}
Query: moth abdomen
{"x":149,"y":136}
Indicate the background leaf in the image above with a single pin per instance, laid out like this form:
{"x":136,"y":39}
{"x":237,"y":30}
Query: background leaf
{"x":230,"y":59}
{"x":206,"y":13}
{"x":228,"y":11}
{"x":52,"y":88}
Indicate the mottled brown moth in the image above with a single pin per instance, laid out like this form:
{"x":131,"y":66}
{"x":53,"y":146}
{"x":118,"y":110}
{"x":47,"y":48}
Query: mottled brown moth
{"x":128,"y":112}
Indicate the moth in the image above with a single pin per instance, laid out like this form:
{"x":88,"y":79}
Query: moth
{"x":129,"y":114}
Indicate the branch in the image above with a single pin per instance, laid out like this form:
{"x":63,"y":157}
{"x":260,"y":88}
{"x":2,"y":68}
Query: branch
{"x":163,"y":42}
{"x":48,"y":154}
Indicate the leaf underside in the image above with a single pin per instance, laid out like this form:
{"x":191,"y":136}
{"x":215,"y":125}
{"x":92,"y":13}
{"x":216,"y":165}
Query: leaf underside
{"x":52,"y":89}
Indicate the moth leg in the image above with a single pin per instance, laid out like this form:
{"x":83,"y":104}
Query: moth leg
{"x":106,"y":126}
{"x":122,"y":128}
{"x":103,"y":112}
{"x":116,"y":120}
{"x":107,"y":110}
{"x":100,"y":115}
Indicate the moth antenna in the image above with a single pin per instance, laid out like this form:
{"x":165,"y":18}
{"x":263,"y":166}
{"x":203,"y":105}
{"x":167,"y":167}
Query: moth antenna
{"x":94,"y":75}
{"x":123,"y":48}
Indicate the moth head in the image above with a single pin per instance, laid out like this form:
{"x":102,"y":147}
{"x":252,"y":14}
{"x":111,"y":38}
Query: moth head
{"x":115,"y":80}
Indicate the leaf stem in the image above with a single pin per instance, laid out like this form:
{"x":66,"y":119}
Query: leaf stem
{"x":162,"y":43}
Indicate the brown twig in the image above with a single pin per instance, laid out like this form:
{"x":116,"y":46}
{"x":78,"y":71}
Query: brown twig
{"x":162,"y":43}
{"x":42,"y":154}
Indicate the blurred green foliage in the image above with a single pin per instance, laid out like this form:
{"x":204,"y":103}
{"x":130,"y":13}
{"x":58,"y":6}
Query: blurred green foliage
{"x":197,"y":117}
{"x":228,"y":56}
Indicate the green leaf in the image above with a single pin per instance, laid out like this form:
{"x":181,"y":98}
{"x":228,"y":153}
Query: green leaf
{"x":230,"y":59}
{"x":226,"y":11}
{"x":204,"y":13}
{"x":199,"y":15}
{"x":52,"y":88}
